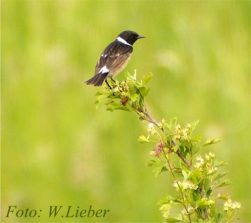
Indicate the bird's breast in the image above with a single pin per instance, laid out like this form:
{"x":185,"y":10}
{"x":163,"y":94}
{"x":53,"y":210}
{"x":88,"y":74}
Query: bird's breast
{"x":119,"y":67}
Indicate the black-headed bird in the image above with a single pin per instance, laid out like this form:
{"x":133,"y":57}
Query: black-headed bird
{"x":114,"y":58}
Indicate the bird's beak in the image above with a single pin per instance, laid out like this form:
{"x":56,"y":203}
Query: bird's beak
{"x":140,"y":37}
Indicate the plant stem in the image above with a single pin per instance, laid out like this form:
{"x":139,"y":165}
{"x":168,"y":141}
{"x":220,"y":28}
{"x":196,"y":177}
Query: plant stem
{"x":179,"y":187}
{"x":183,"y":159}
{"x":149,"y":119}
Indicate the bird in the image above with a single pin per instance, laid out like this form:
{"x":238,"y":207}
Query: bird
{"x":114,"y":58}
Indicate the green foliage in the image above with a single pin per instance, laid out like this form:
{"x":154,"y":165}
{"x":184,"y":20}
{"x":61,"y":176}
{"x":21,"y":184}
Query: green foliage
{"x":126,"y":95}
{"x":176,"y":148}
{"x":200,"y":52}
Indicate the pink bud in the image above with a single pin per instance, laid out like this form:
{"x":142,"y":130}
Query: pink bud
{"x":158,"y":149}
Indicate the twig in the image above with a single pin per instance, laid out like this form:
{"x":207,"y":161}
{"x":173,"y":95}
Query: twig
{"x":180,"y":189}
{"x":149,"y":119}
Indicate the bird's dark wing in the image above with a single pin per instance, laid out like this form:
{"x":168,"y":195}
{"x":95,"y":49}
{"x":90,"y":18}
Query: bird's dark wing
{"x":114,"y":55}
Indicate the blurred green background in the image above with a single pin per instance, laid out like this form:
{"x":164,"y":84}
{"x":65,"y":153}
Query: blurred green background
{"x":59,"y":149}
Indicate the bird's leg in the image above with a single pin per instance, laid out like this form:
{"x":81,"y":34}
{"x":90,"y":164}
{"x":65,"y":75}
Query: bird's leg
{"x":113,"y":80}
{"x":109,"y":87}
{"x":108,"y":84}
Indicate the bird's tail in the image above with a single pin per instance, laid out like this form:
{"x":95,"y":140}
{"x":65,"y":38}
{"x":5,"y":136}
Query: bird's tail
{"x":98,"y":79}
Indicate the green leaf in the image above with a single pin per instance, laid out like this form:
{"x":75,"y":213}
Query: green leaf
{"x":179,"y":201}
{"x":99,"y":97}
{"x":167,"y":200}
{"x":183,"y":149}
{"x":219,"y":218}
{"x":147,"y":78}
{"x":209,"y":191}
{"x":223,"y":184}
{"x":165,"y":210}
{"x":202,"y":203}
{"x":220,"y":163}
{"x":158,"y":166}
{"x":194,"y":125}
{"x":151,"y":162}
{"x":173,"y":220}
{"x":195,"y":176}
{"x":220,"y":175}
{"x":132,"y":77}
{"x":134,"y":97}
{"x":143,"y":91}
{"x":211,"y":141}
{"x":185,"y":175}
{"x":143,"y":139}
{"x":158,"y":170}
{"x":175,"y":148}
{"x":223,"y":197}
{"x":207,"y":184}
{"x":113,"y":107}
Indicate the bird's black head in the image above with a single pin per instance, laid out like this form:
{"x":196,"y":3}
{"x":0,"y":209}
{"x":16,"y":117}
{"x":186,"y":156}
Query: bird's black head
{"x":130,"y":36}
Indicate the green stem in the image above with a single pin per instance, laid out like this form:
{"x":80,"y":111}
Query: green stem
{"x":179,"y":187}
{"x":149,"y":119}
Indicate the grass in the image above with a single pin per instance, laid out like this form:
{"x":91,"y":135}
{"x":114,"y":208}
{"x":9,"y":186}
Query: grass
{"x":55,"y":141}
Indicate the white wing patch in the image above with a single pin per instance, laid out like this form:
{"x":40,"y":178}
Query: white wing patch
{"x":123,"y":41}
{"x":104,"y":55}
{"x":104,"y":70}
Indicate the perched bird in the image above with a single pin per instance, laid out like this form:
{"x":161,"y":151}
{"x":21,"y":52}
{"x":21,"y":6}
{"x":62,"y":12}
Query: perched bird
{"x":114,"y":58}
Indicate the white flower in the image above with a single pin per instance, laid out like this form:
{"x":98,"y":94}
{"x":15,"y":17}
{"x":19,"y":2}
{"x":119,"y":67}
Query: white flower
{"x":176,"y":184}
{"x":150,"y":125}
{"x":185,"y":185}
{"x":189,"y":185}
{"x":189,"y":126}
{"x":165,"y":210}
{"x":200,"y":159}
{"x":212,"y":170}
{"x":230,"y":205}
{"x":190,"y":210}
{"x":185,"y":133}
{"x":116,"y":89}
{"x":200,"y":162}
{"x":151,"y":129}
{"x":210,"y":156}
{"x":152,"y":153}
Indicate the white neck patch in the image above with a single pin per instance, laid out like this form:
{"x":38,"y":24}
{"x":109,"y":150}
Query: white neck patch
{"x":123,"y":41}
